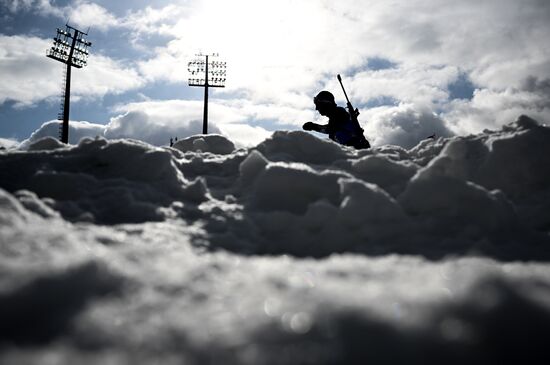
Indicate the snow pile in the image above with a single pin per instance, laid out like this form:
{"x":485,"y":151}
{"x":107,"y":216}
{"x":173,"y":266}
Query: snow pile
{"x":99,"y":181}
{"x":297,"y":250}
{"x":213,"y":143}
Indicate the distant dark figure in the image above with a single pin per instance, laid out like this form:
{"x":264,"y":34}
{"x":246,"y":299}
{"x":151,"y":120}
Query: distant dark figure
{"x":171,"y":142}
{"x":341,"y":127}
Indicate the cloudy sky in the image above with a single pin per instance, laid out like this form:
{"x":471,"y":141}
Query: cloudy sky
{"x":413,"y":67}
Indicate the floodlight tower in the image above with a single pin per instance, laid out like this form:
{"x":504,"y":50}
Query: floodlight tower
{"x":70,"y":48}
{"x":205,"y":73}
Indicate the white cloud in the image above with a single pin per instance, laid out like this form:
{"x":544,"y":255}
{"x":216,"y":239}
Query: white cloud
{"x":81,"y":13}
{"x":279,"y":58}
{"x":16,"y":5}
{"x":491,"y":109}
{"x":265,"y":52}
{"x":169,"y":64}
{"x":156,"y":20}
{"x":156,"y":121}
{"x":184,"y":118}
{"x":104,"y":75}
{"x":46,"y":8}
{"x":84,"y":14}
{"x":77,"y":131}
{"x":29,"y":76}
{"x":8,"y":143}
{"x":404,"y":125}
{"x":245,"y":122}
{"x":152,"y":128}
{"x":276,"y":54}
{"x":172,"y":112}
{"x":245,"y":135}
{"x":409,"y":83}
{"x":136,"y":125}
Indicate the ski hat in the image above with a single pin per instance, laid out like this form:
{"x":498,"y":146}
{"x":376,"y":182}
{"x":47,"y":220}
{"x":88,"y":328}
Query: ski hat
{"x":324,"y":97}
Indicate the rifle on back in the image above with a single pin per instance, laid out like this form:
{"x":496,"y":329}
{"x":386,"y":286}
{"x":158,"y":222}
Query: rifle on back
{"x":354,"y":113}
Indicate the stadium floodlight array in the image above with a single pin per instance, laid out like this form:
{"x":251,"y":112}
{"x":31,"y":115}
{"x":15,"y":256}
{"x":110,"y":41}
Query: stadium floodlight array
{"x":70,"y":48}
{"x":206,"y":73}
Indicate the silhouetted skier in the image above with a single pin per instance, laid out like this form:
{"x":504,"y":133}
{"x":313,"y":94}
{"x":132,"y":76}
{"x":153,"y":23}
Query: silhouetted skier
{"x":341,"y":127}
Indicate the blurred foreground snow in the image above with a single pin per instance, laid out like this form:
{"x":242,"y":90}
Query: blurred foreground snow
{"x":296,"y":251}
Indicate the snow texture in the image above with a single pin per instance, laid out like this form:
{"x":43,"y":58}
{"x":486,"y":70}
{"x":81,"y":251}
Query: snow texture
{"x":295,"y":251}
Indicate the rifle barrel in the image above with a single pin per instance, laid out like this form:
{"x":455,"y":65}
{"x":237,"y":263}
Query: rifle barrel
{"x":353,"y":112}
{"x":345,"y":94}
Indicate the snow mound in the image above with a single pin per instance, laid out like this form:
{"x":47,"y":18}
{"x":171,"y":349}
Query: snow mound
{"x":213,"y":143}
{"x":297,"y":194}
{"x":514,"y":160}
{"x":294,"y":251}
{"x":385,"y":172}
{"x":46,"y":144}
{"x":101,"y":181}
{"x":292,"y":187}
{"x":299,"y":146}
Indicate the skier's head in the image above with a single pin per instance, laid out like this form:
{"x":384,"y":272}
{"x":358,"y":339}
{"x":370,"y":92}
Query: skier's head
{"x":324,"y":97}
{"x":324,"y":102}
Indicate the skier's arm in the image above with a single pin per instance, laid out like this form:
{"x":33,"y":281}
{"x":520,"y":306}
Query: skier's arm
{"x":321,"y":128}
